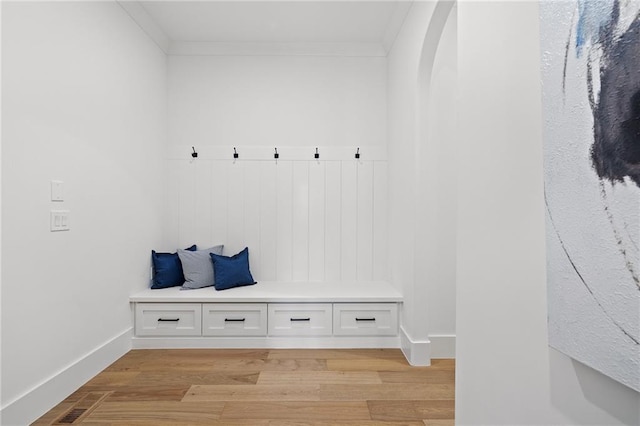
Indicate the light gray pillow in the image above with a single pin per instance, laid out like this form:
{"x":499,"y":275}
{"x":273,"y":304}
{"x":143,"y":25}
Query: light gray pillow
{"x":198,"y":267}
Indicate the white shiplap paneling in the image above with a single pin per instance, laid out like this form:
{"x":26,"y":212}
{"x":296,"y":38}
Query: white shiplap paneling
{"x":284,"y":217}
{"x":364,"y":221}
{"x":316,"y":220}
{"x":300,"y":216}
{"x":218,"y":191}
{"x":268,"y":222}
{"x":333,"y":221}
{"x":202,"y":205}
{"x":349,"y":213}
{"x":252,"y":208}
{"x":380,"y":224}
{"x":235,"y":207}
{"x":303,"y":220}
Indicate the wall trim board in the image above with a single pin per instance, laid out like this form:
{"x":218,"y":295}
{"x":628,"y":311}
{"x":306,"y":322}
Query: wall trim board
{"x":207,"y":48}
{"x":417,"y":352}
{"x":34,"y":403}
{"x":292,"y":153}
{"x":443,"y":345}
{"x":331,"y":342}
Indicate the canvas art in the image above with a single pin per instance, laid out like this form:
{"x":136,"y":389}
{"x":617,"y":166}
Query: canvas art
{"x":591,"y":108}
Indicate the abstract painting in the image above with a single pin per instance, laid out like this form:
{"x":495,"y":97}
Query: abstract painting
{"x":591,"y":107}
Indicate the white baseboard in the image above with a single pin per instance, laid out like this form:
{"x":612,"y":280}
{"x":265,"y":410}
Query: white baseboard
{"x":328,"y":342}
{"x":443,"y":345}
{"x":418,"y":353}
{"x":34,"y":403}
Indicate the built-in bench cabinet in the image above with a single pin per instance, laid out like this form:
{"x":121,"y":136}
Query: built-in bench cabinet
{"x":269,"y":314}
{"x":234,"y":319}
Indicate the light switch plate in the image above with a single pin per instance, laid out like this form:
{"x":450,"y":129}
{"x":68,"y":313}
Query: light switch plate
{"x":57,"y":190}
{"x":59,"y":220}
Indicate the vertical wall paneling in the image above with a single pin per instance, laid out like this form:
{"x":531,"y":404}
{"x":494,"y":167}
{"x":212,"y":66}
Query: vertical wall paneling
{"x":333,"y":221}
{"x":252,"y":208}
{"x":219,"y":209}
{"x":301,"y":224}
{"x":316,"y":220}
{"x":364,"y":221}
{"x":380,"y":224}
{"x":187,"y":203}
{"x":268,"y":222}
{"x":235,"y":207}
{"x":349,"y":234}
{"x":284,"y":213}
{"x":303,"y":220}
{"x":202,"y":204}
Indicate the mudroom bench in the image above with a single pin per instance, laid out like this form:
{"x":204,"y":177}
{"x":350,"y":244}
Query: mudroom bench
{"x":269,"y":315}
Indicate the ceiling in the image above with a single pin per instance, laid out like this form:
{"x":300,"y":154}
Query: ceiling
{"x":188,"y":27}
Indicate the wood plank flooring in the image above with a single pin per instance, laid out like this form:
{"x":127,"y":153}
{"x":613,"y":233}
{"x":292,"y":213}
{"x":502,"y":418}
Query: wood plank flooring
{"x":310,"y":387}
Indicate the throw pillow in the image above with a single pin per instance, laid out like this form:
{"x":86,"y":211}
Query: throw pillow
{"x":232,"y":271}
{"x":197,"y":267}
{"x":167,"y":269}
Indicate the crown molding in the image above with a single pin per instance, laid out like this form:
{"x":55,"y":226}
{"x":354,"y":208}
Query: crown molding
{"x":181,"y":48}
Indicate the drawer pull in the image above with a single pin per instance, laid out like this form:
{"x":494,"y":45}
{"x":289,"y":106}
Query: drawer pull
{"x":300,"y":319}
{"x":365,"y":319}
{"x":168,"y":319}
{"x":234,"y":320}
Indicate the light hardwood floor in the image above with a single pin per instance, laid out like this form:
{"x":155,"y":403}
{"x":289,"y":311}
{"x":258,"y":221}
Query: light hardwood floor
{"x":263,"y":387}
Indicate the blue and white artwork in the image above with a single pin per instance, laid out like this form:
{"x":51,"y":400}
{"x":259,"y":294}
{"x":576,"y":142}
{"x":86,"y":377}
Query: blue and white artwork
{"x":591,"y":108}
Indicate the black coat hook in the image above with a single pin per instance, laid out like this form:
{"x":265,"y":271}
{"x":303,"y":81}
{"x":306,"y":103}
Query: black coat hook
{"x":235,"y":153}
{"x":358,"y":153}
{"x":316,"y":155}
{"x":276,"y":155}
{"x":194,"y":154}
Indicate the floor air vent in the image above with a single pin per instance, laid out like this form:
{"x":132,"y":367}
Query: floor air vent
{"x":82,"y":408}
{"x":71,"y":416}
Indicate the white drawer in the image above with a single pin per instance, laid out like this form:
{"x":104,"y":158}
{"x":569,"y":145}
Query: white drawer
{"x":168,"y":319}
{"x":234,"y":319}
{"x":365,"y":319}
{"x":299,"y":319}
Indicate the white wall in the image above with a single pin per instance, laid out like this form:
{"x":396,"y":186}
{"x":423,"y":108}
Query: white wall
{"x":84,"y":101}
{"x":303,"y":220}
{"x":1,"y":218}
{"x":421,"y":77}
{"x":277,"y":101}
{"x":506,"y":374}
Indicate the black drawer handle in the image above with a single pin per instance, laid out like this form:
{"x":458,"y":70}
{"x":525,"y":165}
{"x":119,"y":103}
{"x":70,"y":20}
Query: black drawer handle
{"x":365,"y":319}
{"x":300,"y":319}
{"x":168,"y":319}
{"x":234,"y":320}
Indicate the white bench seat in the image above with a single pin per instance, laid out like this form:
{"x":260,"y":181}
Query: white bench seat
{"x":278,"y":292}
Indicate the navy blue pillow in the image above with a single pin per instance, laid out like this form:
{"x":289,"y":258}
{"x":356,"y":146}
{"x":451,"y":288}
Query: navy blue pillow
{"x":232,"y":271}
{"x":167,"y":269}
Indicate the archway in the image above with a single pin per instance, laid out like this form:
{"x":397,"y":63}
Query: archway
{"x":435,"y":196}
